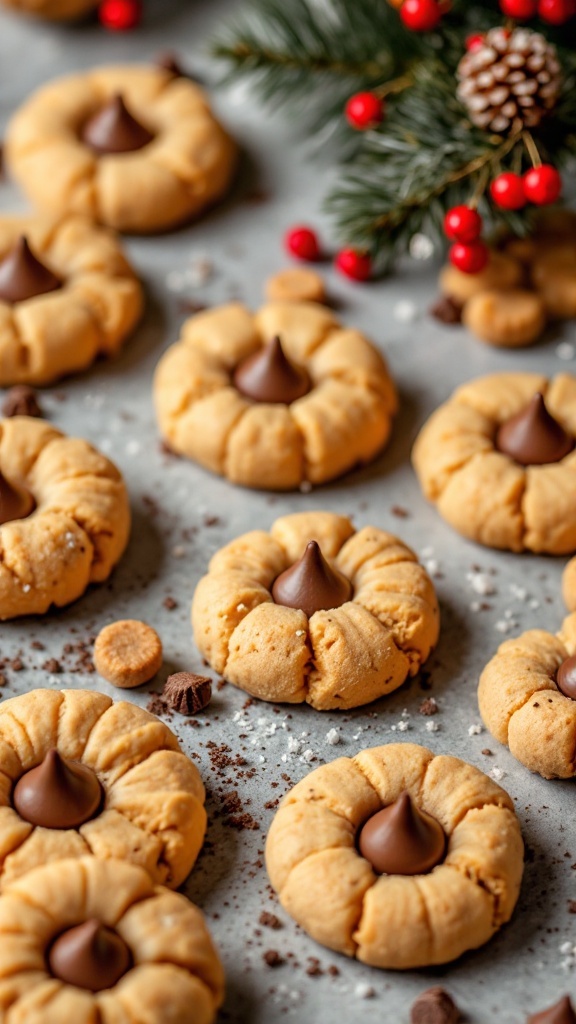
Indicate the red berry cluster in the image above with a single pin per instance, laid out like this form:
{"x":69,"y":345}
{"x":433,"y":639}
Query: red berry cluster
{"x":120,"y":15}
{"x":302,"y":242}
{"x":421,"y":15}
{"x":555,"y":12}
{"x":463,"y":226}
{"x":540,"y":185}
{"x":364,"y":110}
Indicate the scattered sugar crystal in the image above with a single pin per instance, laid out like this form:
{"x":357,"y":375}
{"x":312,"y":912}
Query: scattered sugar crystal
{"x":403,"y":726}
{"x":432,"y":726}
{"x":505,"y":625}
{"x":293,"y":745}
{"x":300,"y":632}
{"x":405,"y":311}
{"x":534,"y":604}
{"x":481,"y":583}
{"x":333,"y":737}
{"x":475,"y":730}
{"x":497,"y":774}
{"x":566,"y":948}
{"x":520,"y":593}
{"x":364,"y":991}
{"x":308,"y":756}
{"x":427,"y":552}
{"x":175,"y":281}
{"x":421,"y":247}
{"x":565,"y":350}
{"x":432,"y":566}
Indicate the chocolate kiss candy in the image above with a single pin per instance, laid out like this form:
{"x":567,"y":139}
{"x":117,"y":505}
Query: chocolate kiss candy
{"x":23,"y":276}
{"x":311,"y":584}
{"x":15,"y":503}
{"x":533,"y":437}
{"x":269,"y":376}
{"x":560,"y":1013}
{"x":112,"y":129}
{"x":58,"y":793}
{"x":402,"y":840}
{"x":566,"y":678}
{"x":89,"y":956}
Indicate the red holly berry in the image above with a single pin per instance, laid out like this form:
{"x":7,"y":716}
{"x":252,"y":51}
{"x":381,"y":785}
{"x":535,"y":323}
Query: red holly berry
{"x":120,"y":15}
{"x":470,"y":259}
{"x":522,"y":10}
{"x":303,"y":243}
{"x":421,"y":15}
{"x":354,"y":264}
{"x":507,"y":191}
{"x":463,"y":224}
{"x":474,"y":42}
{"x":542,"y":185}
{"x":364,"y":110}
{"x":556,"y":12}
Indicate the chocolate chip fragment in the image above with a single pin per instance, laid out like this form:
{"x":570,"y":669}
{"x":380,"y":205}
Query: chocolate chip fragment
{"x":533,"y":437}
{"x":89,"y":956}
{"x":311,"y":584}
{"x":187,"y":693}
{"x":52,"y":666}
{"x":269,"y":920}
{"x":402,"y":840}
{"x":561,"y":1013}
{"x":58,"y":793}
{"x":566,"y":678}
{"x":113,"y":129}
{"x":435,"y":1006}
{"x":447,"y":310}
{"x":272,"y":958}
{"x":269,"y":376}
{"x":23,"y":276}
{"x":21,"y":400}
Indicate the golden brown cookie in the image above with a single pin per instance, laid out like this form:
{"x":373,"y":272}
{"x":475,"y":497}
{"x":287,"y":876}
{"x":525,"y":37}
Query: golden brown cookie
{"x":87,"y":940}
{"x":67,"y":296}
{"x":277,"y":399}
{"x":82,"y":775}
{"x":498,"y":461}
{"x":53,"y":10}
{"x":412,"y":859}
{"x":569,"y":585}
{"x":128,"y":653}
{"x":527,"y":699}
{"x":64,"y":517}
{"x":135,"y":148}
{"x":315,"y":611}
{"x":502,"y":272}
{"x":506,"y":319}
{"x":297,"y":284}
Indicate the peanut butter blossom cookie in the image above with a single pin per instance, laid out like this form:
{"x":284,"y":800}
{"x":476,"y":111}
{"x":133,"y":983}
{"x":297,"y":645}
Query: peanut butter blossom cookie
{"x":527,"y":698}
{"x":277,"y":399}
{"x":64,"y":517}
{"x":136,"y":148}
{"x":54,"y":10}
{"x":87,"y":940}
{"x":83,"y":775}
{"x":315,"y":611}
{"x":498,"y":460}
{"x":412,"y":859}
{"x":67,"y":295}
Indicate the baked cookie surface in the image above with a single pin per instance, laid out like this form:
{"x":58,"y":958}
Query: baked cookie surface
{"x":54,"y":10}
{"x":498,"y":461}
{"x":527,"y":699}
{"x":83,"y":775}
{"x":453,"y":895}
{"x":274,"y":400}
{"x":135,"y":148}
{"x":64,"y":517}
{"x":315,"y":611}
{"x":67,"y":295}
{"x":88,"y":940}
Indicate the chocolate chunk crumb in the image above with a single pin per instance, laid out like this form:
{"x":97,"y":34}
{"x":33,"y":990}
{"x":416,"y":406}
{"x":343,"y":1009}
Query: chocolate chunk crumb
{"x":2,"y":680}
{"x":487,"y":752}
{"x":17,"y":664}
{"x":447,"y":310}
{"x":428,"y":707}
{"x":21,"y":400}
{"x":572,"y":906}
{"x":435,"y":1006}
{"x":37,"y":646}
{"x":170,"y":604}
{"x":156,"y":706}
{"x":187,"y":693}
{"x":399,"y":512}
{"x":314,"y":970}
{"x":269,"y":920}
{"x":212,"y":521}
{"x":52,"y":666}
{"x":272,"y":958}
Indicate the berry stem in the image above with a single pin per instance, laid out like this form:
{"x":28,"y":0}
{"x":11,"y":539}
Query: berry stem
{"x":480,"y":189}
{"x":395,"y":85}
{"x":532,"y":149}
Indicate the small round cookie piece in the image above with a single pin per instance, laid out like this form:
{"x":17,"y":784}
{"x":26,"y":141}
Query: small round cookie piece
{"x":86,"y":940}
{"x":511,"y":319}
{"x":297,"y":284}
{"x":502,"y":272}
{"x":442,"y":873}
{"x":53,"y":10}
{"x":84,"y":775}
{"x":498,"y":460}
{"x":527,"y":699}
{"x":128,"y":653}
{"x":67,"y":296}
{"x":276,"y":399}
{"x":64,"y":517}
{"x":316,"y":611}
{"x":135,"y":148}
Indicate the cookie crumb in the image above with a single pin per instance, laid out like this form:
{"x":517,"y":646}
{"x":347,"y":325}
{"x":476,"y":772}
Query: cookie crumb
{"x":128,"y":653}
{"x":447,"y":310}
{"x":272,"y":958}
{"x":21,"y":400}
{"x":268,"y":920}
{"x":170,"y":604}
{"x":187,"y":693}
{"x":435,"y":1006}
{"x":428,"y":707}
{"x":52,"y":666}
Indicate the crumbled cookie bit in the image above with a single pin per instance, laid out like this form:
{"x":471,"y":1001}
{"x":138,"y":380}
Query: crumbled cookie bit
{"x":21,"y":400}
{"x":272,"y":958}
{"x":187,"y":693}
{"x":399,"y":512}
{"x":170,"y":604}
{"x":52,"y":666}
{"x":428,"y":707}
{"x":269,"y":920}
{"x":447,"y":310}
{"x":128,"y":653}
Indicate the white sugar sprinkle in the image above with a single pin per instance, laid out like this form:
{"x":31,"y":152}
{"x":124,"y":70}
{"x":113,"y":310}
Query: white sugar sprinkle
{"x":497,"y":774}
{"x":565,"y":351}
{"x":333,"y":737}
{"x":432,"y":726}
{"x":475,"y":730}
{"x":364,"y":991}
{"x":405,"y":311}
{"x":481,"y":583}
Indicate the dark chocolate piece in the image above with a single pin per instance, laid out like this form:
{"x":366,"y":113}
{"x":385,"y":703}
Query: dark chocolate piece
{"x":435,"y":1006}
{"x":312,"y":584}
{"x":269,"y":376}
{"x":402,"y":840}
{"x":89,"y":956}
{"x":23,"y":276}
{"x":187,"y":693}
{"x":113,"y":129}
{"x":533,"y":437}
{"x":566,"y":678}
{"x":58,"y":793}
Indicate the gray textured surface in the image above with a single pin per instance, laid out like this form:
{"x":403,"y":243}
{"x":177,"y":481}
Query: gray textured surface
{"x":171,"y":545}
